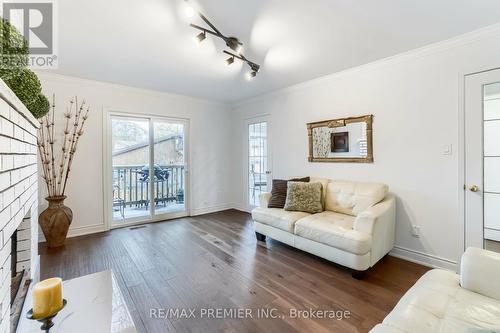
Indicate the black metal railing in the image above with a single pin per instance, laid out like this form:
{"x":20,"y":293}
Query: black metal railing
{"x":131,"y":185}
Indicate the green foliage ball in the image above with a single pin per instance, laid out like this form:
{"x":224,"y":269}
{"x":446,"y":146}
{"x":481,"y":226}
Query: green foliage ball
{"x":40,"y":107}
{"x":25,"y":84}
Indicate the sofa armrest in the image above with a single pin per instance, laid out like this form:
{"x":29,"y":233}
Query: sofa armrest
{"x":379,"y":221}
{"x":480,"y":272}
{"x":382,"y":212}
{"x":264,"y":199}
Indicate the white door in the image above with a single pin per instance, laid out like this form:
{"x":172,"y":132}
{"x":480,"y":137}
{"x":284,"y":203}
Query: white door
{"x":146,"y":169}
{"x":482,"y":159}
{"x":258,"y":166}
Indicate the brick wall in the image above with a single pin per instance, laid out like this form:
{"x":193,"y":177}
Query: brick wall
{"x":18,"y":193}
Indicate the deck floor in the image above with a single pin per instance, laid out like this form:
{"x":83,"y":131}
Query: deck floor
{"x":213,"y":261}
{"x":134,"y":212}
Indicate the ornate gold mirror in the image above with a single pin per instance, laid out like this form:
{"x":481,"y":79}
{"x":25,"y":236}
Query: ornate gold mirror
{"x":341,"y":140}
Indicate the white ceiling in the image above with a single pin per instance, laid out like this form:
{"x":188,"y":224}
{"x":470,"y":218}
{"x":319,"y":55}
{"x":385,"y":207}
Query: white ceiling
{"x":148,"y":43}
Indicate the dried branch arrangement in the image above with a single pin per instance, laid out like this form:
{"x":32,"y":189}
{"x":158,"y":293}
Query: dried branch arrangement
{"x":55,"y":173}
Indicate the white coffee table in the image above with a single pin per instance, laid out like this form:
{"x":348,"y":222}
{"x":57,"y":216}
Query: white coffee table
{"x":95,"y":304}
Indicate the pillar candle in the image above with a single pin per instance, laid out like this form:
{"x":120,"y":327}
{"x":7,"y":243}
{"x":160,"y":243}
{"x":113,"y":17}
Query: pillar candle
{"x":47,"y":297}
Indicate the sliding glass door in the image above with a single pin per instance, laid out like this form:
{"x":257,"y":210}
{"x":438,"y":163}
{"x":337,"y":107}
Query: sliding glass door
{"x":130,"y":158}
{"x":169,"y":164}
{"x":147,"y":168}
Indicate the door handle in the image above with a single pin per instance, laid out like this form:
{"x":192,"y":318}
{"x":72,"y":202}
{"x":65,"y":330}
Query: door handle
{"x":268,"y":172}
{"x":474,"y":188}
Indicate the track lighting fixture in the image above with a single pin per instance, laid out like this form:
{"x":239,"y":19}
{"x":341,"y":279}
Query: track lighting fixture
{"x":232,"y":42}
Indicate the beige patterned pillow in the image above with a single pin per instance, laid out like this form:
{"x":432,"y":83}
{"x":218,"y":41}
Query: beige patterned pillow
{"x":304,"y":197}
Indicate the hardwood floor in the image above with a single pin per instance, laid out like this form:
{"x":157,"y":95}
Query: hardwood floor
{"x":214,"y":261}
{"x":492,"y":245}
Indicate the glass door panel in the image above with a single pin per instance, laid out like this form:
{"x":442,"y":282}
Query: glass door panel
{"x":491,"y":164}
{"x":130,"y":168}
{"x":258,"y":172}
{"x":169,"y":165}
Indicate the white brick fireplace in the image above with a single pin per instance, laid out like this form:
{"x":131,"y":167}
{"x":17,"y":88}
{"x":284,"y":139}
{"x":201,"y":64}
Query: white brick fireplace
{"x":18,"y":195}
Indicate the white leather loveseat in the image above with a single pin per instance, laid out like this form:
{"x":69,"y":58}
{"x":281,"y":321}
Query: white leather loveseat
{"x":356,"y":228}
{"x":445,"y":302}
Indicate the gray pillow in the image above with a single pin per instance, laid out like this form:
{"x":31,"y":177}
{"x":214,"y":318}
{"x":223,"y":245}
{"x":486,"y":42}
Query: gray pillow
{"x":304,"y":197}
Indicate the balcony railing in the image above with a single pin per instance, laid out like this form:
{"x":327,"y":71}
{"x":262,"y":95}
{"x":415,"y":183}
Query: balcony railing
{"x":131,"y":185}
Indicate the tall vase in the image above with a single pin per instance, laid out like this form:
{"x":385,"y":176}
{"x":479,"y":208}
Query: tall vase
{"x":55,"y":221}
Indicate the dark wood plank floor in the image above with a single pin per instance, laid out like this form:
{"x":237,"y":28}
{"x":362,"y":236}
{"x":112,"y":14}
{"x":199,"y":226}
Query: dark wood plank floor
{"x":214,"y":261}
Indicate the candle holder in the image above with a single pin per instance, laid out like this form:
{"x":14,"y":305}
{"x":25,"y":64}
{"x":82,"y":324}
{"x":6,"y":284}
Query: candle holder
{"x":47,"y":322}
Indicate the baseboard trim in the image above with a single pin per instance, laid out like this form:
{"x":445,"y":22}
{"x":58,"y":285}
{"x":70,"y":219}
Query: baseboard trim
{"x":210,"y":209}
{"x":492,"y":234}
{"x":425,"y":259}
{"x":92,"y":229}
{"x":240,"y":207}
{"x":79,"y":231}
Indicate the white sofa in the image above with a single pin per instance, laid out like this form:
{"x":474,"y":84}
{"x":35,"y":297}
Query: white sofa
{"x":356,"y":228}
{"x":445,"y":302}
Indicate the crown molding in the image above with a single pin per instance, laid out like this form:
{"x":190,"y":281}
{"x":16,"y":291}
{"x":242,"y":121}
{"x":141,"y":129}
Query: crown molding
{"x":136,"y":90}
{"x":417,"y":53}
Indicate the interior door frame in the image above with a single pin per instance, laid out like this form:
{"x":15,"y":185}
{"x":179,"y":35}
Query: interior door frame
{"x":462,"y":158}
{"x":107,"y":179}
{"x":248,"y":121}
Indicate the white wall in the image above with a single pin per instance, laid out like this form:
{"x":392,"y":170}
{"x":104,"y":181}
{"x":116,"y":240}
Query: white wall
{"x":210,"y":148}
{"x":415,"y":100}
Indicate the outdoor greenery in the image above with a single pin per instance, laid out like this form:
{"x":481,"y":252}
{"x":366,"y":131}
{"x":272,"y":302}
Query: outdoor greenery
{"x":14,"y":46}
{"x":13,"y":70}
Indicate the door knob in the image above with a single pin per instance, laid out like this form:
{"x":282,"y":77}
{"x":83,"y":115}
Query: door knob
{"x":474,"y":188}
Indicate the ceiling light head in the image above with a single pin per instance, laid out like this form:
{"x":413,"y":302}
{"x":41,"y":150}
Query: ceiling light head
{"x":201,"y":37}
{"x":255,"y":68}
{"x":250,"y":75}
{"x":230,"y":60}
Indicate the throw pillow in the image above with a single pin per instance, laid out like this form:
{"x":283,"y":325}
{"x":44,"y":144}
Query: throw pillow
{"x":304,"y":197}
{"x":278,"y":192}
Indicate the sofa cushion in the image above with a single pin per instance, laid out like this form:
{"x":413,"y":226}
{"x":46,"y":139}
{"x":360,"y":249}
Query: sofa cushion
{"x":352,"y":198}
{"x":324,"y":182}
{"x":335,"y":230}
{"x":278,"y":192}
{"x":303,"y":197}
{"x":277,"y":217}
{"x":437,"y":304}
